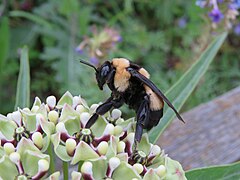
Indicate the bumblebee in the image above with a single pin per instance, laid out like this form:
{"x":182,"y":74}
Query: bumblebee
{"x":130,"y":84}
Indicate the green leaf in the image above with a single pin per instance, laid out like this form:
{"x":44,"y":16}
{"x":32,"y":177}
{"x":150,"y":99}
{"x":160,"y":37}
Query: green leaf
{"x":59,"y":149}
{"x":182,"y":89}
{"x":66,"y":98}
{"x":144,"y":145}
{"x":151,"y":175}
{"x":26,"y":144}
{"x":231,"y":171}
{"x":8,"y":169}
{"x":68,"y":7}
{"x":29,"y":120}
{"x":83,"y":152}
{"x":124,"y":171}
{"x":7,"y":128}
{"x":32,"y":17}
{"x":54,"y":176}
{"x":4,"y":41}
{"x":99,"y":173}
{"x":23,"y":85}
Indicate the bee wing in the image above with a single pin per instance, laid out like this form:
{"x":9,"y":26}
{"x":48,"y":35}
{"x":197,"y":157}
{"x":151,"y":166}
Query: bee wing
{"x":150,"y":84}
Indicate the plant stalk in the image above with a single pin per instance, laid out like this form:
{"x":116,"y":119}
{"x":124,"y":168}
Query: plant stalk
{"x":52,"y":158}
{"x":65,"y":170}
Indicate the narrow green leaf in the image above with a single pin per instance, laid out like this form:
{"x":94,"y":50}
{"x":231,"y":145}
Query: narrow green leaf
{"x":32,"y":17}
{"x":23,"y":85}
{"x":224,"y":172}
{"x":4,"y":41}
{"x":180,"y":91}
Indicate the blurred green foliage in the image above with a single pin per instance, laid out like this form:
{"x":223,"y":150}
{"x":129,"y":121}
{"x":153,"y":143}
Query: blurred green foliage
{"x":165,"y":37}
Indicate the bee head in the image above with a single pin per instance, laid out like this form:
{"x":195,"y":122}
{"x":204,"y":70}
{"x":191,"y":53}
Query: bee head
{"x":101,"y":72}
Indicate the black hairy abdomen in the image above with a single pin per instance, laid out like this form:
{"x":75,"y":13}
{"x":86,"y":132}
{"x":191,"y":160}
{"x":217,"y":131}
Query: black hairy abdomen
{"x":154,"y":119}
{"x":134,"y":95}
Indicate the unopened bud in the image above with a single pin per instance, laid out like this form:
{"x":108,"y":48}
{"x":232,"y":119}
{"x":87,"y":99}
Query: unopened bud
{"x":161,"y":171}
{"x":155,"y":150}
{"x":118,"y":130}
{"x":121,"y":146}
{"x":37,"y":139}
{"x":51,"y":101}
{"x":87,"y":168}
{"x":109,"y":129}
{"x":116,"y":113}
{"x":84,"y":117}
{"x":80,"y":108}
{"x":119,"y":120}
{"x":8,"y":148}
{"x":21,"y":177}
{"x":14,"y":157}
{"x":53,"y":116}
{"x":60,"y":127}
{"x":102,"y":148}
{"x":76,"y":101}
{"x":93,"y":107}
{"x":114,"y":162}
{"x":138,"y":167}
{"x":76,"y":175}
{"x":70,"y":146}
{"x":130,"y":137}
{"x":43,"y":165}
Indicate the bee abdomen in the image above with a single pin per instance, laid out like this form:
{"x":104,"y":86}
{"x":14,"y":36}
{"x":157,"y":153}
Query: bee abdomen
{"x":154,"y":119}
{"x":156,"y":103}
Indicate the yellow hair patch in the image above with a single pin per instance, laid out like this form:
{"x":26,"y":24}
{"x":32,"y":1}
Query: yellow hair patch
{"x":122,"y":76}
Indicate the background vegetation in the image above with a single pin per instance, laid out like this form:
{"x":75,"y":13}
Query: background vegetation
{"x":165,"y":37}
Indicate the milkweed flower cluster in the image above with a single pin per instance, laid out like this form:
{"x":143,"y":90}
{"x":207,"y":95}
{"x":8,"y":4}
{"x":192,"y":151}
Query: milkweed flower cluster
{"x":223,"y":12}
{"x":105,"y":151}
{"x":98,"y":46}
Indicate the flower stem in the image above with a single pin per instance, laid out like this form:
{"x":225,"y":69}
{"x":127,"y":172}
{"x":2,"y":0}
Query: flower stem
{"x":65,"y":170}
{"x":80,"y":165}
{"x":52,"y":158}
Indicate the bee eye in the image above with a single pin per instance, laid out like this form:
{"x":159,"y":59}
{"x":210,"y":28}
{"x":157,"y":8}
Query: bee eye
{"x":104,"y":71}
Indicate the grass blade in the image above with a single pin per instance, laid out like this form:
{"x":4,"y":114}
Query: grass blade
{"x":4,"y":41}
{"x":32,"y":17}
{"x":226,"y":172}
{"x":180,"y":91}
{"x":23,"y":85}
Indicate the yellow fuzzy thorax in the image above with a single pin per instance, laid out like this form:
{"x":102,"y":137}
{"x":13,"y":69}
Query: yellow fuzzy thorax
{"x":121,"y":81}
{"x":122,"y":76}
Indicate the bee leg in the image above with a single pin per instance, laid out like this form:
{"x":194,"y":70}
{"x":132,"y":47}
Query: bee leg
{"x":102,"y":109}
{"x":135,"y":145}
{"x":142,"y":117}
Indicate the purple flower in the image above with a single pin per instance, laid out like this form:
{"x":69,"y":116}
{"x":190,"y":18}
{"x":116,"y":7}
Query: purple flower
{"x":94,"y":60}
{"x":182,"y":22}
{"x":119,"y":38}
{"x":235,"y":4}
{"x":220,"y":1}
{"x":237,"y":29}
{"x":79,"y":50}
{"x":201,"y":3}
{"x":216,"y":15}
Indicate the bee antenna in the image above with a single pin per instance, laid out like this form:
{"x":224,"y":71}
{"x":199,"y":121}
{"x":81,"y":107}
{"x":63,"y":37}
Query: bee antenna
{"x":88,"y":64}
